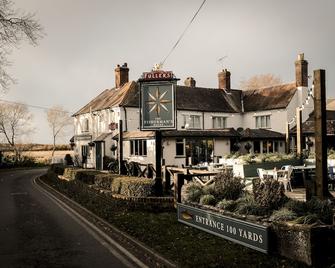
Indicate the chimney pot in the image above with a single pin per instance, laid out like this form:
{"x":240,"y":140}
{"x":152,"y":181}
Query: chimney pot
{"x":301,"y":71}
{"x":190,"y":82}
{"x":224,"y":79}
{"x":121,"y":75}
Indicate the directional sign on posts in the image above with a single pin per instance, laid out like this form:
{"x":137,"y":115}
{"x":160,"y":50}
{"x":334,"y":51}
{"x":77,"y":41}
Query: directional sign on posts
{"x":157,"y":100}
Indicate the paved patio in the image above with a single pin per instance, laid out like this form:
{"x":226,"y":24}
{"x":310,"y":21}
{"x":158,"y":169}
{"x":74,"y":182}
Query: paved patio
{"x":300,"y":194}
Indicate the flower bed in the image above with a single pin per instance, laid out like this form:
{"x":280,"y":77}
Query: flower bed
{"x":293,"y":225}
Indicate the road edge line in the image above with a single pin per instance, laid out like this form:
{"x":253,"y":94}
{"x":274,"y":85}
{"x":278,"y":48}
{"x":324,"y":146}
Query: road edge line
{"x":97,"y":234}
{"x":113,"y":228}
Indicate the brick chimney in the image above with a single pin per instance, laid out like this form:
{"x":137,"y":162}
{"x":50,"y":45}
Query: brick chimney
{"x":301,"y":71}
{"x":189,"y":82}
{"x":224,"y":79}
{"x":121,"y":75}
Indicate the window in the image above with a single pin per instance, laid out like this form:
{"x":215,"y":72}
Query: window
{"x":219,"y":122}
{"x":86,"y":127}
{"x":84,"y":150}
{"x":180,"y":147}
{"x":193,"y":121}
{"x":138,"y":147}
{"x":263,"y":121}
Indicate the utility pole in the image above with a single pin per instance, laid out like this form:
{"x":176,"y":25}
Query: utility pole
{"x":299,"y":131}
{"x":321,"y":172}
{"x":287,"y":138}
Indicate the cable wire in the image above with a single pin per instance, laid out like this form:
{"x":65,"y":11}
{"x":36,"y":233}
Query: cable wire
{"x":183,"y":33}
{"x":32,"y":106}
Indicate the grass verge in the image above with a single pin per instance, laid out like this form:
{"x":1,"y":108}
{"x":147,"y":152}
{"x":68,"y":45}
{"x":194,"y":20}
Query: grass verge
{"x":186,"y":246}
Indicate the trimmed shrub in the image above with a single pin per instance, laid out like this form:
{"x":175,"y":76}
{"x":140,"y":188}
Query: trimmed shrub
{"x":283,"y":214}
{"x":227,"y":186}
{"x":104,"y":180}
{"x":132,"y":187}
{"x":191,"y":192}
{"x":83,"y":175}
{"x":269,"y":194}
{"x":207,"y":199}
{"x":229,"y":205}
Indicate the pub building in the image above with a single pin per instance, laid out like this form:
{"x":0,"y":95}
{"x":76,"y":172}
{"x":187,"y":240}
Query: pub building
{"x":209,"y":122}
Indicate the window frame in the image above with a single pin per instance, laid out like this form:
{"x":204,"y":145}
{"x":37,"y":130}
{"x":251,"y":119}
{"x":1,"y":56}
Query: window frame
{"x":180,"y":142}
{"x":138,"y":147}
{"x":263,"y":121}
{"x":221,"y":119}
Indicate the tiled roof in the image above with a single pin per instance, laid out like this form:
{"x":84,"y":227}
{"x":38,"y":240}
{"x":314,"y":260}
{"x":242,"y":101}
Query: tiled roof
{"x":275,"y":97}
{"x":331,"y":105}
{"x":208,"y":99}
{"x":308,"y":126}
{"x":103,"y":136}
{"x":108,"y":98}
{"x":200,"y":99}
{"x":136,"y":135}
{"x":260,"y":134}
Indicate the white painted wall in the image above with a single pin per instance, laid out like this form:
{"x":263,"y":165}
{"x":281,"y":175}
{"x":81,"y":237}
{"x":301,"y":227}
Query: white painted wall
{"x":221,"y":147}
{"x":149,"y":158}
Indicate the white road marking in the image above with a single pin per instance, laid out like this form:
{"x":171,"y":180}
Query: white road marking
{"x":93,"y":230}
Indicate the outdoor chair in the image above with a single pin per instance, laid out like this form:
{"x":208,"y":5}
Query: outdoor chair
{"x":331,"y":177}
{"x":285,"y":177}
{"x":261,"y":173}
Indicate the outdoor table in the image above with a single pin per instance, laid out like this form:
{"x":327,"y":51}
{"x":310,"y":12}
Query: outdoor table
{"x":304,"y":170}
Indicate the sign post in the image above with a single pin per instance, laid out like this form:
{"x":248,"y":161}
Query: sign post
{"x":158,"y":111}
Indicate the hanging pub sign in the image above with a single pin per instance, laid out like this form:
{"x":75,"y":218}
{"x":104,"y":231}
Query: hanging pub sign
{"x":157,"y":100}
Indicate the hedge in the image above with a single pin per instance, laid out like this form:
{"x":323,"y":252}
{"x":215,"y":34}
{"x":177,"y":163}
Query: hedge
{"x":84,"y":175}
{"x":104,"y":181}
{"x":132,"y":186}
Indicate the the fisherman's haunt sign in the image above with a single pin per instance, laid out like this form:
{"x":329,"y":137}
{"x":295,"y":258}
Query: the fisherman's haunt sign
{"x":158,"y":108}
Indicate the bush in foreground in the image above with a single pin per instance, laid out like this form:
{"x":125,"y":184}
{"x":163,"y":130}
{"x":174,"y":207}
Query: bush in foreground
{"x":191,"y":192}
{"x":132,"y":187}
{"x":227,"y":186}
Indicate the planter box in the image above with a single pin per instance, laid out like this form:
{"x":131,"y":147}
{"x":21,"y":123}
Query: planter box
{"x":313,"y":245}
{"x":250,"y":170}
{"x":310,"y":244}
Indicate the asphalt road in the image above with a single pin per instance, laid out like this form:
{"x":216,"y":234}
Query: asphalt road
{"x":36,"y":232}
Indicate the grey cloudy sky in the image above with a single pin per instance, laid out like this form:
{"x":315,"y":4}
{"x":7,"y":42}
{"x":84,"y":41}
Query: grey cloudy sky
{"x":85,"y":40}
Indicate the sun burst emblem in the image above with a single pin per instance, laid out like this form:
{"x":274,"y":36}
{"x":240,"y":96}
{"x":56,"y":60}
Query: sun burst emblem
{"x":158,"y":102}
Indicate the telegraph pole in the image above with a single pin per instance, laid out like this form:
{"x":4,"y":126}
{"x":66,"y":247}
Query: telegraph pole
{"x":321,"y":170}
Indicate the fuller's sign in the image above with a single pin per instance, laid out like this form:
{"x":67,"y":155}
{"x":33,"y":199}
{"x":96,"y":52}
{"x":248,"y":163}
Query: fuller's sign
{"x":157,"y":101}
{"x":158,"y":75}
{"x":251,"y":235}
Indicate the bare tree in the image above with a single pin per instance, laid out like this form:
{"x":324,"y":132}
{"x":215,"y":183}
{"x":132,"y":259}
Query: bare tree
{"x":14,"y":124}
{"x":15,"y":26}
{"x":58,"y":120}
{"x":258,"y":81}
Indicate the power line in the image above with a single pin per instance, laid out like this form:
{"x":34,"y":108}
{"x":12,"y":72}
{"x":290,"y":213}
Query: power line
{"x":33,"y":106}
{"x":183,"y":33}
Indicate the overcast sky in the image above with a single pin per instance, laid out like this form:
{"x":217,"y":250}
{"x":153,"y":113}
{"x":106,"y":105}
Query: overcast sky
{"x":86,"y":39}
